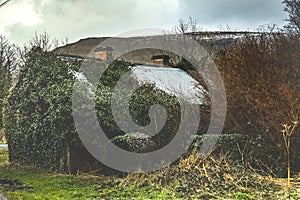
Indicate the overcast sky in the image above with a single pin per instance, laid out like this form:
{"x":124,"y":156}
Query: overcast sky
{"x":75,"y":19}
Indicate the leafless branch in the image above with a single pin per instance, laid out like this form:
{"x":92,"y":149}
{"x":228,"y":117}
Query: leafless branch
{"x":4,"y":3}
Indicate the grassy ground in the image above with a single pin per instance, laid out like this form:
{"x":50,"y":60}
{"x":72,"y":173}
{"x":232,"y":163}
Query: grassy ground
{"x":19,"y":182}
{"x":40,"y":184}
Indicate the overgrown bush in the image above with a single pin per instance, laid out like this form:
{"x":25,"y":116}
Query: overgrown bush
{"x":205,"y":178}
{"x":38,"y":113}
{"x":141,"y":102}
{"x":261,"y":75}
{"x":38,"y":116}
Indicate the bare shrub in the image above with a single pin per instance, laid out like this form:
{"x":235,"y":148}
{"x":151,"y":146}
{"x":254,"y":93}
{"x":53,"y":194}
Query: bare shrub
{"x":262,"y":79}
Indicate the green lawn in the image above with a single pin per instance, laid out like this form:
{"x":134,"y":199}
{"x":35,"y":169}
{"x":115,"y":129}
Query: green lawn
{"x":40,"y":184}
{"x":29,"y":183}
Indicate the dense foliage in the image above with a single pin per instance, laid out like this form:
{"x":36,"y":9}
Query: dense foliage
{"x":38,"y":116}
{"x":261,"y":75}
{"x":141,"y":101}
{"x":38,"y":112}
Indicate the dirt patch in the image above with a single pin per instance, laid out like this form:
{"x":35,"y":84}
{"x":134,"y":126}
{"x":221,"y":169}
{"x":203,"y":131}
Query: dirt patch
{"x":13,"y":184}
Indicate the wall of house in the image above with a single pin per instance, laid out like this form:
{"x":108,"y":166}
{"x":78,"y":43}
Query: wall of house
{"x":101,"y":55}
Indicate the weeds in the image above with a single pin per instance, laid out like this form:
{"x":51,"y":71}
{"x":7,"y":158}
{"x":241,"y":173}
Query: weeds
{"x":287,"y":132}
{"x":193,"y":176}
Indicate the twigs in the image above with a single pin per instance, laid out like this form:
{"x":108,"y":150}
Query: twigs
{"x":287,"y":132}
{"x":5,"y":2}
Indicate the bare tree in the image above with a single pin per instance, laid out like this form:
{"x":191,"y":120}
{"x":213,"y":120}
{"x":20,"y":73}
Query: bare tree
{"x":292,"y":7}
{"x":8,"y":56}
{"x":182,"y":27}
{"x":8,"y":66}
{"x":42,"y":41}
{"x":189,"y":26}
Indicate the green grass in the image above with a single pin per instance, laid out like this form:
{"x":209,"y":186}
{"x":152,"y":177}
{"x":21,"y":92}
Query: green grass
{"x":42,"y":184}
{"x":47,"y":185}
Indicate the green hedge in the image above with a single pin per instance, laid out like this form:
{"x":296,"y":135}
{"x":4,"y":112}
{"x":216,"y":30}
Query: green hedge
{"x":37,"y":116}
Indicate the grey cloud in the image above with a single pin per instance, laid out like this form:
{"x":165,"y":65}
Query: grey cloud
{"x":18,"y":32}
{"x":77,"y":19}
{"x":242,"y":13}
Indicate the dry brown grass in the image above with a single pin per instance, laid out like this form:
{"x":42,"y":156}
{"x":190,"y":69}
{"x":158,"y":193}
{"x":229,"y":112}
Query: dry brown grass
{"x":2,"y":136}
{"x":195,"y":175}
